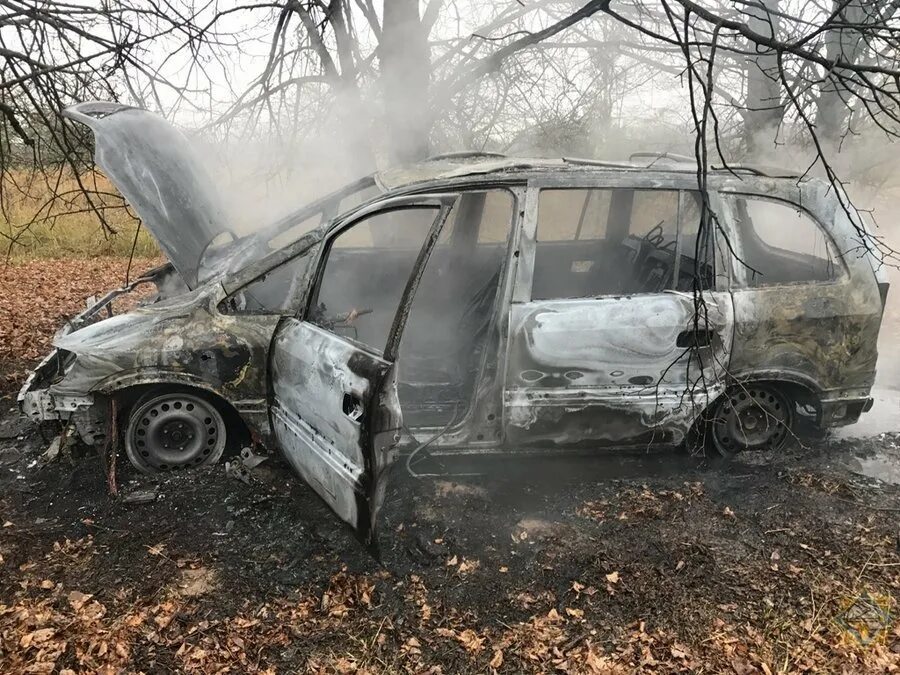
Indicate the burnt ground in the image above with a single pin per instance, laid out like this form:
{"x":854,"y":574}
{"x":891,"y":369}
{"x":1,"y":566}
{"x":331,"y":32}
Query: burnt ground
{"x":644,"y":563}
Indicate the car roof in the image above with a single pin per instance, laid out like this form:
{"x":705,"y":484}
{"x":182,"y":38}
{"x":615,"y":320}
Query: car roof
{"x":477,"y":164}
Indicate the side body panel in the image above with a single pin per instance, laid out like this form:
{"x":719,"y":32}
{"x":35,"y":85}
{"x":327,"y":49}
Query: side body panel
{"x":610,"y":370}
{"x":822,"y":335}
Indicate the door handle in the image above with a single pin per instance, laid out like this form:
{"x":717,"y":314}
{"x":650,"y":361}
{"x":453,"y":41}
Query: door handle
{"x":694,"y":338}
{"x":352,"y":406}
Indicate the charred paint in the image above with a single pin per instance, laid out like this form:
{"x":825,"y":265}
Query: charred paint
{"x":565,"y":373}
{"x":182,"y":340}
{"x":822,"y":335}
{"x":609,"y":370}
{"x":340,"y":453}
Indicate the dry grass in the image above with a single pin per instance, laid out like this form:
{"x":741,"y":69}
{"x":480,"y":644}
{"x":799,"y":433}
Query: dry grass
{"x":48,"y":215}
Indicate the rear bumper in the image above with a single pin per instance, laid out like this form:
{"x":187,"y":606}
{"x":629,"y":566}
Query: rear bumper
{"x":840,"y":412}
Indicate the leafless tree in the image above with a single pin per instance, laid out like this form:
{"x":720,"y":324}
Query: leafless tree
{"x":55,"y":53}
{"x":402,"y":78}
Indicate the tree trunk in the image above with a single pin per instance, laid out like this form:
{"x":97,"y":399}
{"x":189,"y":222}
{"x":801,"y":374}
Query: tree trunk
{"x":764,"y":108}
{"x":844,"y":44}
{"x":405,"y":77}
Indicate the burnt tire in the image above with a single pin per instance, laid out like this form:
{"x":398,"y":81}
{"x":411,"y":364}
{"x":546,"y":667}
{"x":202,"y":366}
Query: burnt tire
{"x":173,"y":429}
{"x":751,"y":417}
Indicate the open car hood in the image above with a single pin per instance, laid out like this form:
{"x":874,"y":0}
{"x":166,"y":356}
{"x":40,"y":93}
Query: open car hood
{"x":156,"y":170}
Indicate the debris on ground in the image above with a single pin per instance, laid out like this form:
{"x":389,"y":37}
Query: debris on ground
{"x":141,"y":496}
{"x":668,"y":567}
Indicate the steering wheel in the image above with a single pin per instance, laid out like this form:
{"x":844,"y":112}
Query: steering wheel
{"x":655,"y":273}
{"x":655,"y":235}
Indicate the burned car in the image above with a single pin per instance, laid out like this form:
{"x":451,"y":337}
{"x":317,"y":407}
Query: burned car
{"x":473,"y":303}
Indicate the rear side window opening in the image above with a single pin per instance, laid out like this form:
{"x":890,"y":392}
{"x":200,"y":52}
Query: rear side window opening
{"x":618,"y":241}
{"x":781,"y":243}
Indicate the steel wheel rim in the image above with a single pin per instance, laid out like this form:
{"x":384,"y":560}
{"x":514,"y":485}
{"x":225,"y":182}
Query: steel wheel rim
{"x":751,"y":418}
{"x":175,"y":430}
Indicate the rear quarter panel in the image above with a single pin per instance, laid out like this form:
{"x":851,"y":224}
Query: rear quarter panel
{"x":823,"y":334}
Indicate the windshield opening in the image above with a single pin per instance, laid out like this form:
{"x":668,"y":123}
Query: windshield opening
{"x":225,"y":255}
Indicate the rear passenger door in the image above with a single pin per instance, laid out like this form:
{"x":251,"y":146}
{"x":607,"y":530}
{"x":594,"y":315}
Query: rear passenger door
{"x":603,"y":345}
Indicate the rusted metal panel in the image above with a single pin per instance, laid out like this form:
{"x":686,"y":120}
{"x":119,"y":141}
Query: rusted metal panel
{"x":609,"y":370}
{"x":822,"y":335}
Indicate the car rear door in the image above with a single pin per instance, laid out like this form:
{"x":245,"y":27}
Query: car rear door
{"x":606,"y":346}
{"x":335,"y":410}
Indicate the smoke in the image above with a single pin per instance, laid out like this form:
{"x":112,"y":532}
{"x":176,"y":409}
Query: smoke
{"x":268,"y":174}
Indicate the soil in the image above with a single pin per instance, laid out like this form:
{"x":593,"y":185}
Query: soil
{"x":608,"y":563}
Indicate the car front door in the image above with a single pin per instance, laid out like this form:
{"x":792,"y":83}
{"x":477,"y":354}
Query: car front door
{"x":616,"y":336}
{"x":335,"y":411}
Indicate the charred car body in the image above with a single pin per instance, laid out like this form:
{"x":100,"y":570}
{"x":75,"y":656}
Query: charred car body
{"x":501,"y":304}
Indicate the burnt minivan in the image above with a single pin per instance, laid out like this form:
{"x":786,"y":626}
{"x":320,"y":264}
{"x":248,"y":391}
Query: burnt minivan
{"x":470,"y":303}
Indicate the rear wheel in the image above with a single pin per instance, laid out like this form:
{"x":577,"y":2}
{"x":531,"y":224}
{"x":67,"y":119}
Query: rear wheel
{"x":751,"y":417}
{"x":172,"y":430}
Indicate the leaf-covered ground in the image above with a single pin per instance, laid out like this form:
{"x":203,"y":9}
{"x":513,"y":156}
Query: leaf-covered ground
{"x":601,"y":565}
{"x":39,"y":295}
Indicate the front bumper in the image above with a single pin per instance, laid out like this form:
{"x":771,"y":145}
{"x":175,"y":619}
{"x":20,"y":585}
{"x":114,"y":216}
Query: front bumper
{"x":84,"y":412}
{"x":35,"y":399}
{"x":39,"y":398}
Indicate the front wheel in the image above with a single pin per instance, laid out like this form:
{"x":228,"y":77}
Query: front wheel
{"x":173,"y":430}
{"x":751,"y":417}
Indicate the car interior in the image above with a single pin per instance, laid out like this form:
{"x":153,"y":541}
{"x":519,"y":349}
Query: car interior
{"x":618,"y":242}
{"x":446,"y":334}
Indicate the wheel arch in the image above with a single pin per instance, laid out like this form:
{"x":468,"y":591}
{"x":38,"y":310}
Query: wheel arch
{"x":127,"y":391}
{"x":799,"y":386}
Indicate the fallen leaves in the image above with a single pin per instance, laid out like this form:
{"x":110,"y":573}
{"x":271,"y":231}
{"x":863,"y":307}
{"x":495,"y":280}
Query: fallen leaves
{"x":38,"y":295}
{"x":643,"y":504}
{"x":77,"y":599}
{"x":196,"y":582}
{"x":470,"y":640}
{"x":156,"y":549}
{"x":36,"y":637}
{"x":346,"y":593}
{"x":497,"y":659}
{"x":464,"y":566}
{"x":467,"y":566}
